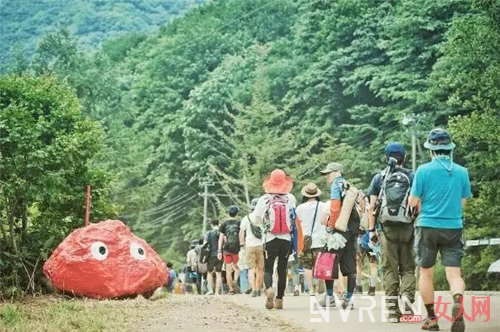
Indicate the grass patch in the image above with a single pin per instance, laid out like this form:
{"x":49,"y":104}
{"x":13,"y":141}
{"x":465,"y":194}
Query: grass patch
{"x":50,"y":313}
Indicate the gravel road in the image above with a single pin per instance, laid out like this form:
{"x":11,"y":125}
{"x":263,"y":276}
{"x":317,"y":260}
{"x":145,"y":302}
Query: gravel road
{"x":208,"y":313}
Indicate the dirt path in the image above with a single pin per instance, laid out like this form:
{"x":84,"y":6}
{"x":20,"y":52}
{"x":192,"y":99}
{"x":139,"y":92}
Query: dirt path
{"x":219,"y":313}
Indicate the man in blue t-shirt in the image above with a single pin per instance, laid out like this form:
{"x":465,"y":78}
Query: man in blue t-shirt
{"x":441,"y":188}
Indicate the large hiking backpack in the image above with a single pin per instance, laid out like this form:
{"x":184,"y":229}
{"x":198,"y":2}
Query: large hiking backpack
{"x":395,"y":192}
{"x":353,"y":206}
{"x":233,"y":237}
{"x":279,"y":215}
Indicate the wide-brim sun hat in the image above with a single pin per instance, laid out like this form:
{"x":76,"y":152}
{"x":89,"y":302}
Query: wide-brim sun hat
{"x":311,"y":190}
{"x":278,"y":183}
{"x":439,"y":139}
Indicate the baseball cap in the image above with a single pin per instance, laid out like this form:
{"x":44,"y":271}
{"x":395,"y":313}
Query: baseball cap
{"x":233,"y":210}
{"x":394,"y":147}
{"x":332,"y":167}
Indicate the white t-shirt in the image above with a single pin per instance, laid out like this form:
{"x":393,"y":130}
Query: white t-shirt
{"x":326,"y":209}
{"x":305,"y":212}
{"x":260,"y":211}
{"x":251,"y":240}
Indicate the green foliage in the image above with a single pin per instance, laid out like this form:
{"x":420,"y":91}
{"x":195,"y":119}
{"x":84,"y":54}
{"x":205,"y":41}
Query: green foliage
{"x":46,"y":148}
{"x":24,"y":22}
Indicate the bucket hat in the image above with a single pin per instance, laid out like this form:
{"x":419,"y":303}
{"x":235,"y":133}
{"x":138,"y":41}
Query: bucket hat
{"x":439,"y":139}
{"x":277,"y":183}
{"x":311,"y":190}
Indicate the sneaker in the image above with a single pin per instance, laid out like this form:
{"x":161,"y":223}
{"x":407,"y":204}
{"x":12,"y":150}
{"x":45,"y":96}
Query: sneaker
{"x":248,"y":291}
{"x":458,"y":324}
{"x":358,"y":289}
{"x":327,"y":301}
{"x":348,"y":303}
{"x":296,"y":293}
{"x":259,"y":292}
{"x":269,"y":299}
{"x":231,"y":292}
{"x":236,"y":288}
{"x":393,"y":318}
{"x":278,"y":304}
{"x":430,"y":324}
{"x":371,"y":291}
{"x":254,"y":294}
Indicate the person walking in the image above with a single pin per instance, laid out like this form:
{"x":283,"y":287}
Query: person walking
{"x":439,"y":194}
{"x":388,"y":192}
{"x":229,"y":248}
{"x":275,"y":210}
{"x":214,"y":264}
{"x":346,"y":256}
{"x":308,"y":214}
{"x":251,"y":238}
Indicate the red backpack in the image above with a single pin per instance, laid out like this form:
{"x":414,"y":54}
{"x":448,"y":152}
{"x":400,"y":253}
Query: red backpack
{"x":279,"y":215}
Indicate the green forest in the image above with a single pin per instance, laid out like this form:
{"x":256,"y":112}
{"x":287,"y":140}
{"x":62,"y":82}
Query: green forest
{"x":25,"y":22}
{"x":225,"y":94}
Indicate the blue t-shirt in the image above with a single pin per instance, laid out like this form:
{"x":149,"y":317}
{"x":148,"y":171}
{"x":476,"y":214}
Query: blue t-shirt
{"x":173,"y":276}
{"x":335,"y":189}
{"x":441,"y":193}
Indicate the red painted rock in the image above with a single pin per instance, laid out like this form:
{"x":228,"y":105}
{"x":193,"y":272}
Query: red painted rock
{"x":105,"y":260}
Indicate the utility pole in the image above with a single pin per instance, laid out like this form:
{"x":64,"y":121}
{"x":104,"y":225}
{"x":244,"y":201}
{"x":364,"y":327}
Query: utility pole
{"x":410,"y":121}
{"x":207,"y":183}
{"x":245,"y":185}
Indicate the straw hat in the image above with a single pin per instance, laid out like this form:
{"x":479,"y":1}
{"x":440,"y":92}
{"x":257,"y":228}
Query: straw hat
{"x":311,"y":190}
{"x":277,"y":183}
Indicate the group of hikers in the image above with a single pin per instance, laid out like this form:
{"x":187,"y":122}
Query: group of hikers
{"x":401,"y":222}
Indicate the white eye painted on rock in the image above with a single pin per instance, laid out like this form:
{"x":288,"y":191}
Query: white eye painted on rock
{"x":99,"y":250}
{"x":137,"y":251}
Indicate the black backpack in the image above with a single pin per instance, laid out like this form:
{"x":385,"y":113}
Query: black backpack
{"x":204,"y":253}
{"x":232,"y":234}
{"x":395,"y":191}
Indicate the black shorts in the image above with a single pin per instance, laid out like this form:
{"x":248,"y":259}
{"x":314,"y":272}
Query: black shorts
{"x":346,"y":257}
{"x":214,"y":264}
{"x":429,"y":241}
{"x":362,"y":253}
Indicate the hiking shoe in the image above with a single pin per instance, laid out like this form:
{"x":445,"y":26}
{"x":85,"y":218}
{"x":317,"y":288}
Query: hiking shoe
{"x":327,"y":301}
{"x":371,"y":291}
{"x":236,"y":288}
{"x":358,"y":289}
{"x":259,"y":292}
{"x":430,"y":324}
{"x":254,"y":294}
{"x":278,"y":304}
{"x":269,"y":299}
{"x":348,"y":303}
{"x":457,"y":315}
{"x":231,"y":292}
{"x":393,"y":318}
{"x":296,"y":293}
{"x":248,"y":291}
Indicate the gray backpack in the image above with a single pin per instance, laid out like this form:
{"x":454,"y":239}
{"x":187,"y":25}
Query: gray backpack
{"x":395,"y":191}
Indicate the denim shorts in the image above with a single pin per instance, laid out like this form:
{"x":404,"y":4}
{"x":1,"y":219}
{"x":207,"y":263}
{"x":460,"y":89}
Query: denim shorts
{"x":448,"y":242}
